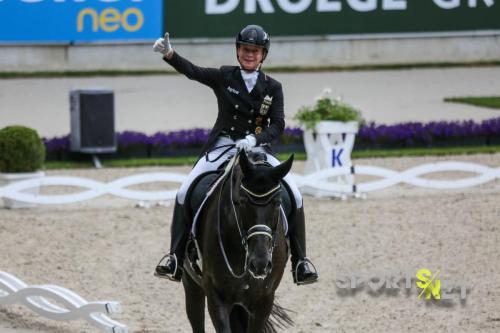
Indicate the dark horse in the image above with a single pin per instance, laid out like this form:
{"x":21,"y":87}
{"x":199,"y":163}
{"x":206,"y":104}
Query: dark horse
{"x":241,"y":237}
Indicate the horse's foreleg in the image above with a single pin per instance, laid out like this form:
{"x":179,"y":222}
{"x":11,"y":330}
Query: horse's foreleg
{"x":195,"y":304}
{"x":260,"y":315}
{"x":219,"y":312}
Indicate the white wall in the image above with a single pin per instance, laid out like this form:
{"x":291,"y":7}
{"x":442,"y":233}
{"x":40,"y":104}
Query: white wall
{"x":284,"y":52}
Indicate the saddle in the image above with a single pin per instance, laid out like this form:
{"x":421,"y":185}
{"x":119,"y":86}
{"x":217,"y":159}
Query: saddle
{"x":203,"y":183}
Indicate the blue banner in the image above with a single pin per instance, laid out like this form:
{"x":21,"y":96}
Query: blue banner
{"x":79,"y":21}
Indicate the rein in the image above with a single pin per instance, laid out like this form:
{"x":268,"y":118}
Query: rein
{"x":228,"y":148}
{"x":221,"y":245}
{"x":258,"y":229}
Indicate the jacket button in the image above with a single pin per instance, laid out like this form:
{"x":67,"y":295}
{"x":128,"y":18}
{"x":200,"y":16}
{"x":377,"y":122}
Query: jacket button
{"x":251,"y":111}
{"x":236,"y":106}
{"x":232,"y":128}
{"x":235,"y":117}
{"x":249,"y":121}
{"x":247,"y":132}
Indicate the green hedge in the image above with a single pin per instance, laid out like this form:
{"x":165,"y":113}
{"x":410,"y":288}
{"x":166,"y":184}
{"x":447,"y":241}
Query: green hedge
{"x":21,"y":150}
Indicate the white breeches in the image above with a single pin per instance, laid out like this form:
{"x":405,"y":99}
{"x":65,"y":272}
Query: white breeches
{"x":203,"y":166}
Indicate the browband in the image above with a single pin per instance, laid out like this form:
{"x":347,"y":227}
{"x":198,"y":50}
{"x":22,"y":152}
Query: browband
{"x":256,"y":195}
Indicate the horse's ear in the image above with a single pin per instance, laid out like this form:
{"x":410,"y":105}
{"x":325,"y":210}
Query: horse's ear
{"x":245,"y":165}
{"x":281,"y":170}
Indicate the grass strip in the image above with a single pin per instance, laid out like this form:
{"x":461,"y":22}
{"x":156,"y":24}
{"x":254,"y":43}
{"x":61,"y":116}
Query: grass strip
{"x":423,"y":65}
{"x":492,"y":102}
{"x":88,"y":73}
{"x":278,"y":69}
{"x":190,"y":160}
{"x":434,"y":151}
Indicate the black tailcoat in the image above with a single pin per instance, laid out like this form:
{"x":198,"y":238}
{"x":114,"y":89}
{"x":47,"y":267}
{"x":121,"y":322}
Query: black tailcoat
{"x":259,"y":112}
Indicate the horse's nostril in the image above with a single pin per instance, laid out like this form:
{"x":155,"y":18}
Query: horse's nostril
{"x":258,"y":268}
{"x":269,"y":267}
{"x":251,"y":267}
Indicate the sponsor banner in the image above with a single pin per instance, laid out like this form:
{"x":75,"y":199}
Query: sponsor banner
{"x":73,"y":21}
{"x":223,"y":18}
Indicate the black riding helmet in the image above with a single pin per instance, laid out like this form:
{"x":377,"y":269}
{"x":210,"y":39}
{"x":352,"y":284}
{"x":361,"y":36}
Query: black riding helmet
{"x":254,"y":35}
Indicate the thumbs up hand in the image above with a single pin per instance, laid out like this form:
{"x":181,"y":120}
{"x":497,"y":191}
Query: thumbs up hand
{"x":162,"y":45}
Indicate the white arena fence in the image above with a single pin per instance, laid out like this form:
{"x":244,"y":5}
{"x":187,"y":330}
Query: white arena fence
{"x":96,"y":189}
{"x":317,"y":183}
{"x":37,"y":298}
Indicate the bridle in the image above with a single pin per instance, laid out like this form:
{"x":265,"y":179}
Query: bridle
{"x":257,"y":199}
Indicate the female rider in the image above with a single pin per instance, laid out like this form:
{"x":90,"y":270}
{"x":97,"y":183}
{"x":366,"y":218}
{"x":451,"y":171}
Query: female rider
{"x":251,"y":116}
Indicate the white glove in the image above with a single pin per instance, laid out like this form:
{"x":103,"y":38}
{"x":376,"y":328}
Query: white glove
{"x":247,"y":143}
{"x":162,"y":45}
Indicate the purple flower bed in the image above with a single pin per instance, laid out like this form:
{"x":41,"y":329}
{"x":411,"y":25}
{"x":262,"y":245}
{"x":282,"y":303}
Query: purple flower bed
{"x":182,"y":139}
{"x":56,"y":148}
{"x":415,"y":134}
{"x":371,"y":135}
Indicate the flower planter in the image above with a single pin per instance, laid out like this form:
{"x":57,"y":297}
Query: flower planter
{"x":8,"y":178}
{"x":329,"y":146}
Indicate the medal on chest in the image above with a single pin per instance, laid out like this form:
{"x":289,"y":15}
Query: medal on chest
{"x":266,"y":104}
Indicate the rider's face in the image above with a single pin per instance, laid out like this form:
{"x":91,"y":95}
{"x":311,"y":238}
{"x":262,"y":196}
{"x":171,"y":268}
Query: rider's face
{"x":250,"y":56}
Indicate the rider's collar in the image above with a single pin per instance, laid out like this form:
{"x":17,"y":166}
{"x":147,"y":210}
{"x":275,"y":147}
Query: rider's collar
{"x":249,"y":72}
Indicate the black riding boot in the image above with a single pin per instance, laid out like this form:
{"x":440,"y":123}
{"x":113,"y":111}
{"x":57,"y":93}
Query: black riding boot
{"x":303,"y":270}
{"x":170,"y":266}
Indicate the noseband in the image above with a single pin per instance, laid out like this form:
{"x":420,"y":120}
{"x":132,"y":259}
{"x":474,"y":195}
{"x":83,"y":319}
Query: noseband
{"x":257,"y":199}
